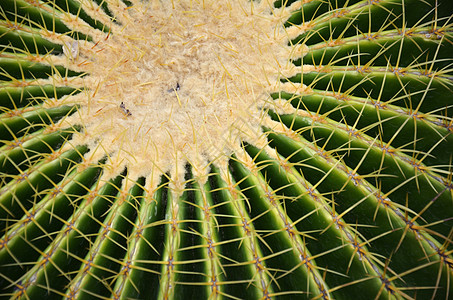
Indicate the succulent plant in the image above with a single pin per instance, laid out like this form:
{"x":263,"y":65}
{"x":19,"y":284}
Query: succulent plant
{"x":226,"y":149}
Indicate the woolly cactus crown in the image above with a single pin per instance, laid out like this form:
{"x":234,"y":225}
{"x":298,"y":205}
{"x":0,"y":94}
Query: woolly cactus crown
{"x":226,"y":149}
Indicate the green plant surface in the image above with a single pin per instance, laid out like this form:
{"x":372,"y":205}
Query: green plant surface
{"x":233,"y":149}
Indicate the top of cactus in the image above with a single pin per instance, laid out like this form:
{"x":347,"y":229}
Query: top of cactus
{"x":195,"y":79}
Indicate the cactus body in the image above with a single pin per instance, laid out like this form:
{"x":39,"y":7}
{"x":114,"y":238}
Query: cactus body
{"x":226,"y":149}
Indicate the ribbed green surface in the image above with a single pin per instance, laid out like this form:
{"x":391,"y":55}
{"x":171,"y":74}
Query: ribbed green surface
{"x":353,"y":198}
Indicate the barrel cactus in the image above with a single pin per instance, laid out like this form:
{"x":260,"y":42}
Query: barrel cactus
{"x":226,"y":149}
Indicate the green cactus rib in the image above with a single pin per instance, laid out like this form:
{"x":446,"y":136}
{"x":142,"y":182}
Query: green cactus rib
{"x":346,"y":193}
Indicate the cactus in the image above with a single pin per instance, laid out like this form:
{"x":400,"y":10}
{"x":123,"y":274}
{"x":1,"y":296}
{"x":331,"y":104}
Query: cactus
{"x":226,"y":149}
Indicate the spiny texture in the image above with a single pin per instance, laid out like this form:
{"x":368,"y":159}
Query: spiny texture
{"x":226,"y":149}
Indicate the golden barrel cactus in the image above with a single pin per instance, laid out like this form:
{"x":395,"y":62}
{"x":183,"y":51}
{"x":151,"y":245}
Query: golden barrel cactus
{"x":179,"y":149}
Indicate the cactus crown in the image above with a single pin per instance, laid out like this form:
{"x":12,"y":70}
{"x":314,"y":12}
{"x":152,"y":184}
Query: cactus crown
{"x":173,"y":83}
{"x":226,"y":149}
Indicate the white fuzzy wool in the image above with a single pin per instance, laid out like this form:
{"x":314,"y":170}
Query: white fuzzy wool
{"x":176,"y":82}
